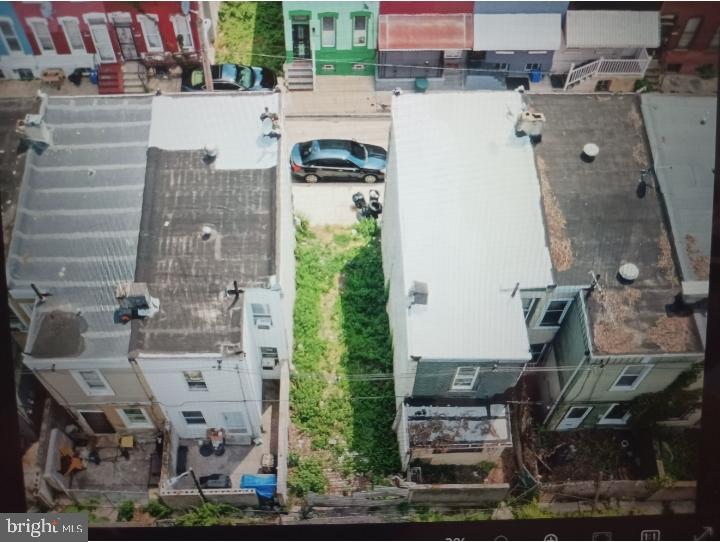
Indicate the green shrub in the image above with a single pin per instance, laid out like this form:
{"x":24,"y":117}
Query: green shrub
{"x":706,"y":71}
{"x":307,"y":476}
{"x":640,"y":83}
{"x":209,"y":514}
{"x":158,"y":510}
{"x":531,"y":510}
{"x":126,"y":511}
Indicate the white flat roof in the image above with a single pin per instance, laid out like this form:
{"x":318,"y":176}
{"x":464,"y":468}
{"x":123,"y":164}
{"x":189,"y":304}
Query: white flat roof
{"x":517,"y":31}
{"x":612,"y":28}
{"x":470,"y":221}
{"x":190,"y":122}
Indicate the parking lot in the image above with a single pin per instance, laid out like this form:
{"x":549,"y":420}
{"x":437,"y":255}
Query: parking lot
{"x":331,"y":202}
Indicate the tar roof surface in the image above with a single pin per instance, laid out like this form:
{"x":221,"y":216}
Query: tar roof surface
{"x":596,"y":222}
{"x":77,"y":224}
{"x":190,"y":275}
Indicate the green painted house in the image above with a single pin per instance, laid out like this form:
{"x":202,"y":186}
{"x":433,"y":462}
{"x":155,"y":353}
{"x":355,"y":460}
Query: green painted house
{"x":340,"y":38}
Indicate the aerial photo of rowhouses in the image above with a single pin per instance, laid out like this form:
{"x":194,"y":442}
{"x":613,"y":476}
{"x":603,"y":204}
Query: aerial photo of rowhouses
{"x":313,"y":262}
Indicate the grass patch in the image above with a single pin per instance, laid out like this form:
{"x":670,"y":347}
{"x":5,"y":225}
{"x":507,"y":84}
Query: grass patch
{"x":341,"y":329}
{"x":432,"y":516}
{"x":247,"y":30}
{"x":307,"y":476}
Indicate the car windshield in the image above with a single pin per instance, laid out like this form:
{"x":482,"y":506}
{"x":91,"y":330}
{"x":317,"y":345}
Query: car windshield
{"x":357,"y":150}
{"x":245,"y":77}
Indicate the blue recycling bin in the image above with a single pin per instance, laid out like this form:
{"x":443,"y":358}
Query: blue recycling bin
{"x":535,"y":76}
{"x":421,"y":84}
{"x":94,"y":76}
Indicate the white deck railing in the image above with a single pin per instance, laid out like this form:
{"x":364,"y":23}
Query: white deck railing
{"x":612,"y":67}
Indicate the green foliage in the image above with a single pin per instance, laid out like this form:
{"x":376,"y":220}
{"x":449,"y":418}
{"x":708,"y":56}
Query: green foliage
{"x":126,"y":511}
{"x":349,"y":418}
{"x":89,"y":506}
{"x":157,"y":509}
{"x":706,"y":71}
{"x":431,"y":516}
{"x":293,"y":459}
{"x":660,"y":482}
{"x":674,"y":401}
{"x":209,"y":514}
{"x":531,"y":510}
{"x":307,"y":476}
{"x":250,"y":30}
{"x":640,"y":83}
{"x":679,"y":451}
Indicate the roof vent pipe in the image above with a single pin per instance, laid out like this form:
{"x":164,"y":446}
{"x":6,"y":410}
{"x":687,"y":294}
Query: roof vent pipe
{"x":210,"y":153}
{"x":589,"y":152}
{"x":628,"y":273}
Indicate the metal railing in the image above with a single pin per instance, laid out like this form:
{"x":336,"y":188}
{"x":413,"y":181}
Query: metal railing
{"x":602,"y":66}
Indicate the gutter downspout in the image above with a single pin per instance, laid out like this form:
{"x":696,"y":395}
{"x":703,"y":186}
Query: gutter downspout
{"x":571,"y":380}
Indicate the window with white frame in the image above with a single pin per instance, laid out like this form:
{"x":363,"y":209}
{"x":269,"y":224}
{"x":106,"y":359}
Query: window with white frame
{"x":328,"y":32}
{"x":555,"y":312}
{"x":71,"y":27}
{"x":360,"y":31}
{"x":134,"y":417}
{"x":193,"y":417}
{"x":195,"y":380}
{"x":92,"y":382}
{"x":9,"y":36}
{"x":261,"y":315}
{"x":688,"y":33}
{"x":631,"y":377}
{"x":465,"y":378}
{"x":181,"y":25}
{"x":42,"y":35}
{"x":151,"y":32}
{"x":533,"y":66}
{"x":528,"y":304}
{"x":617,"y":414}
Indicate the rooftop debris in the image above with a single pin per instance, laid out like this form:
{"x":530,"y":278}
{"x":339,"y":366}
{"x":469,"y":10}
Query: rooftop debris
{"x":700,"y":263}
{"x":665,"y":259}
{"x":560,"y":247}
{"x":672,"y":334}
{"x":610,"y":332}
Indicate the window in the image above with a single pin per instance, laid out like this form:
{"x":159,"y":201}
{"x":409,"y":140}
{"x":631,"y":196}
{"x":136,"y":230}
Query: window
{"x":500,"y":66}
{"x":195,"y":380}
{"x":555,"y":312}
{"x":360,"y":31}
{"x":617,"y":414}
{"x":537,"y":351}
{"x":193,"y":417}
{"x":691,"y":26}
{"x":528,"y":304}
{"x":151,"y":31}
{"x":631,"y":377}
{"x":183,"y":35}
{"x":92,"y":382}
{"x":464,"y":378}
{"x":7,"y":31}
{"x":269,"y":356}
{"x":533,"y":66}
{"x":358,"y":67}
{"x":328,"y":32}
{"x":42,"y":35}
{"x":715,"y":40}
{"x":134,"y":417}
{"x":71,"y":27}
{"x":261,"y":315}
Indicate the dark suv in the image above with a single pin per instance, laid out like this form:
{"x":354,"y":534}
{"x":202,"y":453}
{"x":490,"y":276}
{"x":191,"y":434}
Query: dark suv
{"x":337,"y":159}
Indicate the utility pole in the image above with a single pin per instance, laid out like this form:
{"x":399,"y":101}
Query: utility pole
{"x":203,"y":25}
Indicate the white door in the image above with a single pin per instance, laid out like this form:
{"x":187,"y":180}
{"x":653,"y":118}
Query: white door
{"x":574,"y":417}
{"x":101,"y":39}
{"x":237,"y":428}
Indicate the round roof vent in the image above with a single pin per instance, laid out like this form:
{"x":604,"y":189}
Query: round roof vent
{"x":590,"y":152}
{"x":629,"y":272}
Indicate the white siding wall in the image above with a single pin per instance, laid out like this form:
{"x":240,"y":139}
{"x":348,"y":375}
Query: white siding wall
{"x":277,"y":335}
{"x":230,"y":389}
{"x":393,"y":270}
{"x":536,"y":333}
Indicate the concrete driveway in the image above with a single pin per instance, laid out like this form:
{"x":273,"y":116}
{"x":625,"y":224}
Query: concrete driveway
{"x":329,"y":203}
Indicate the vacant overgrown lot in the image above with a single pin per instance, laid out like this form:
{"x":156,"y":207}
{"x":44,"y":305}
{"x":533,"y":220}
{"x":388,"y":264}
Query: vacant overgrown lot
{"x":251,"y":33}
{"x":342,"y":398}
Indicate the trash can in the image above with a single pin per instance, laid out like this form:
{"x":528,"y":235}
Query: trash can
{"x":421,"y":84}
{"x":535,"y":76}
{"x":94,"y":77}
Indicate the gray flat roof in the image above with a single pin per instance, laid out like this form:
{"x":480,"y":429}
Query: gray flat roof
{"x":77,"y":223}
{"x":681,"y":132}
{"x":190,"y":275}
{"x":596,"y":222}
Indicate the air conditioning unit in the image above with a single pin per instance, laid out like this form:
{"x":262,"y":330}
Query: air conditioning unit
{"x":269,"y":364}
{"x":263,"y":322}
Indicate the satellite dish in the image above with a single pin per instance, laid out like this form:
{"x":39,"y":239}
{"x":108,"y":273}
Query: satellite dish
{"x":46,"y":9}
{"x":185,"y":7}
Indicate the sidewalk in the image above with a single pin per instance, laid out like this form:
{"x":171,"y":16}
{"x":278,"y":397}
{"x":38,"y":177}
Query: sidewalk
{"x":336,"y":95}
{"x":28,"y":89}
